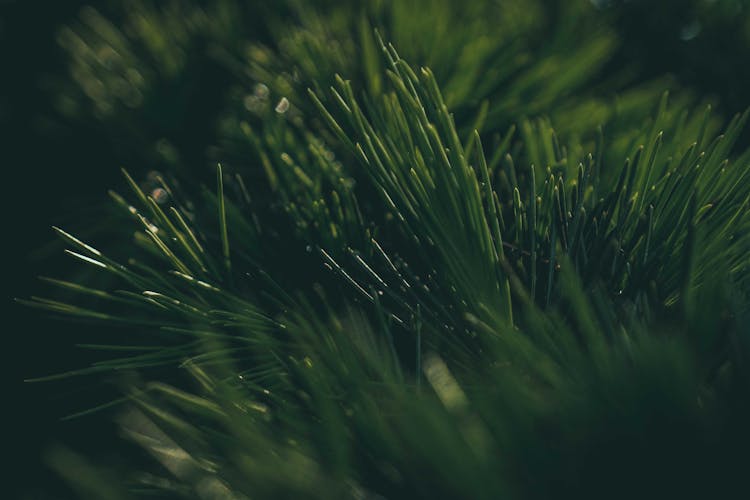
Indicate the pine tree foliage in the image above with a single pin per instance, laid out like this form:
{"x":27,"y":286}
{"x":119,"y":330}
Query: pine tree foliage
{"x":404,"y":282}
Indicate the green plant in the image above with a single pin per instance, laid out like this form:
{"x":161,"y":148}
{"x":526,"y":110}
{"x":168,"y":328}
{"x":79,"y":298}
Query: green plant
{"x":383,"y":297}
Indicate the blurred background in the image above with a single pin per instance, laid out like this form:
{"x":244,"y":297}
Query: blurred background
{"x":62,"y":160}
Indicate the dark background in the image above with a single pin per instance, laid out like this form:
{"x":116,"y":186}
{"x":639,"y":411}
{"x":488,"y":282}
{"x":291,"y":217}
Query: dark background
{"x":57,"y":172}
{"x":49,"y":176}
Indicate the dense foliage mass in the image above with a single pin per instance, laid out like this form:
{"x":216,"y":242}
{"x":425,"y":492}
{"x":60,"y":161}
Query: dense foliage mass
{"x":444,"y":250}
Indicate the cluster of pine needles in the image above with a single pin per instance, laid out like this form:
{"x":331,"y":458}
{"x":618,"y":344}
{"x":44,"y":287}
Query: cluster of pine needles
{"x":443,"y":256}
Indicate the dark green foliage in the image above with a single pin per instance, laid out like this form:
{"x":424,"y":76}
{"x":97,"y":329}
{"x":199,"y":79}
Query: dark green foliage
{"x":404,"y":282}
